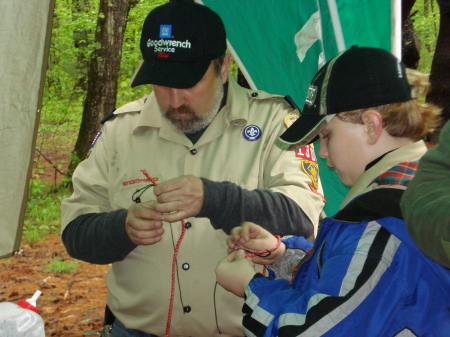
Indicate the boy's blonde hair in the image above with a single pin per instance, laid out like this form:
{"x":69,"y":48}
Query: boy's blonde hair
{"x":411,"y":119}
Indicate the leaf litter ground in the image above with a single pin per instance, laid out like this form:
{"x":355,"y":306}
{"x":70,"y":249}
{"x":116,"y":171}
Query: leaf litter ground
{"x":71,"y":304}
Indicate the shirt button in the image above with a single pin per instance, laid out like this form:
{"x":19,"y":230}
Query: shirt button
{"x":186,"y":266}
{"x":187,"y":308}
{"x":254,"y":94}
{"x":193,"y":151}
{"x":187,"y":225}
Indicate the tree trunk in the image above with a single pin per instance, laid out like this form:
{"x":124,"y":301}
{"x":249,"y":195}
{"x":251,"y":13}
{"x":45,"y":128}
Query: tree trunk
{"x":440,"y":71}
{"x":103,"y":74}
{"x":410,"y":42}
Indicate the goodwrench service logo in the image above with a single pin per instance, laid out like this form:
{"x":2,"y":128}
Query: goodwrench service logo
{"x":163,"y":45}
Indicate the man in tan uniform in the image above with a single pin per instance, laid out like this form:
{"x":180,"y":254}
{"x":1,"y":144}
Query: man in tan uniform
{"x":196,"y":158}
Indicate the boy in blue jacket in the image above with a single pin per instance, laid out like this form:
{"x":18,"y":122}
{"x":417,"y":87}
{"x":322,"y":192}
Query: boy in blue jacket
{"x":364,"y":276}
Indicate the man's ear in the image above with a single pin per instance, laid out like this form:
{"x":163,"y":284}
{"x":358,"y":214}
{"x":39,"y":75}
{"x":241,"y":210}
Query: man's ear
{"x":373,"y":123}
{"x":225,"y":68}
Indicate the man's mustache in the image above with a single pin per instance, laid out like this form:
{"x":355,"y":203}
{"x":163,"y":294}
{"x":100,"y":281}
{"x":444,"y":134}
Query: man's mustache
{"x":181,"y":109}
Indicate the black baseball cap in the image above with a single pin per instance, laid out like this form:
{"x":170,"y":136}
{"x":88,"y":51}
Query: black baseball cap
{"x":178,"y":42}
{"x":358,"y":78}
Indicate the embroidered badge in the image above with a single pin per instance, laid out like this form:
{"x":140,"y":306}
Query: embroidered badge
{"x":252,"y":133}
{"x":99,"y":133}
{"x":311,"y":95}
{"x":312,"y":171}
{"x":141,"y":180}
{"x":290,"y":119}
{"x":165,"y":31}
{"x":307,"y":152}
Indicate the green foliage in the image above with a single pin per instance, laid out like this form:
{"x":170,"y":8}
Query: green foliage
{"x":60,"y":266}
{"x":426,"y":25}
{"x":131,"y":54}
{"x":43,"y":211}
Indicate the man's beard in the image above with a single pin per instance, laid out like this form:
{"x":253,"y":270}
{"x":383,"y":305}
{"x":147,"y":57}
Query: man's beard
{"x":194,"y":123}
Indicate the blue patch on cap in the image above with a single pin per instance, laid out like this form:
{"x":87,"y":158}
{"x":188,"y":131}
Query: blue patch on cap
{"x":165,"y":31}
{"x":252,"y":132}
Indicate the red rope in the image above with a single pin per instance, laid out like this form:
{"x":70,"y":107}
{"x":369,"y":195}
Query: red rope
{"x":267,"y":251}
{"x":174,"y":261}
{"x":175,"y":254}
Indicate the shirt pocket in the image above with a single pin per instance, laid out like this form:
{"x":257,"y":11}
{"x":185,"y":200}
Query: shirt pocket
{"x":139,"y":192}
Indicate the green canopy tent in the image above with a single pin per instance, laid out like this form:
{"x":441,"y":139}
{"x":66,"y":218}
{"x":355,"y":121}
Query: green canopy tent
{"x":279,"y":46}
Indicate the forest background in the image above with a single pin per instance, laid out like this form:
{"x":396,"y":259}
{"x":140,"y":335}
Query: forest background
{"x":63,"y":139}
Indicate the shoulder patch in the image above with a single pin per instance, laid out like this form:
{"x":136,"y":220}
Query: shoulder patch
{"x":289,"y":119}
{"x":307,"y":152}
{"x":99,"y":133}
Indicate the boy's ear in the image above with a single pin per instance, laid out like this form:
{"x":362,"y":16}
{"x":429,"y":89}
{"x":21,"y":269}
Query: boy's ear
{"x":373,"y":123}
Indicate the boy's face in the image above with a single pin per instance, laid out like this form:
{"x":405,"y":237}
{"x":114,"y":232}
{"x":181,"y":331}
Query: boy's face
{"x":342,"y":144}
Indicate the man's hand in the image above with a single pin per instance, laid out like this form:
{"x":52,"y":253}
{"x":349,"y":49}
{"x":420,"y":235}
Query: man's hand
{"x":143,"y":224}
{"x":179,"y":198}
{"x":254,"y":238}
{"x":234,"y":272}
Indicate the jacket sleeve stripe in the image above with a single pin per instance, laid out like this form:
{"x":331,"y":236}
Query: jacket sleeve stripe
{"x":255,"y":323}
{"x":324,"y":312}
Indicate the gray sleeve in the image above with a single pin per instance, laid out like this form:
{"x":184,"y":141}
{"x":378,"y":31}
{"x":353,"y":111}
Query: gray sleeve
{"x":227,"y":205}
{"x":98,"y":237}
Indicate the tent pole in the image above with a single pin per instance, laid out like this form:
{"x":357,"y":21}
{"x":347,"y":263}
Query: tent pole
{"x":396,"y":28}
{"x":336,"y":25}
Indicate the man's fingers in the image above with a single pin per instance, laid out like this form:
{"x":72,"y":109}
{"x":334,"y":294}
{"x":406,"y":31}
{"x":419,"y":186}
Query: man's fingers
{"x":145,"y":237}
{"x":145,"y":211}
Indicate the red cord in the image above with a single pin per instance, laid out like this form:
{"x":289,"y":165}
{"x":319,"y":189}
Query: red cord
{"x":266,"y":252}
{"x":175,"y":254}
{"x":174,"y":261}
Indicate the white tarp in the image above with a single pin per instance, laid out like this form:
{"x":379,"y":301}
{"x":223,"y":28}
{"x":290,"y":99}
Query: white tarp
{"x":24,"y":39}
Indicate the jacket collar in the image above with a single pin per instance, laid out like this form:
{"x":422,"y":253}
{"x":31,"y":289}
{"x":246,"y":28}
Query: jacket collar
{"x":411,"y":152}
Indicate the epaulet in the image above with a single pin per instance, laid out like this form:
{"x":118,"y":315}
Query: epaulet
{"x":291,"y":102}
{"x":107,"y":117}
{"x":131,"y":107}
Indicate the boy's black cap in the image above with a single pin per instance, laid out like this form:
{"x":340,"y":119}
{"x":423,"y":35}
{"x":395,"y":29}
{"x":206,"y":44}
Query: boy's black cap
{"x":178,"y":42}
{"x":358,"y":78}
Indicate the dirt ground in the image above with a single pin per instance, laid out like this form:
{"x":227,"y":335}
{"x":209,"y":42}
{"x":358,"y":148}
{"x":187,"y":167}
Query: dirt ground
{"x":70,"y":304}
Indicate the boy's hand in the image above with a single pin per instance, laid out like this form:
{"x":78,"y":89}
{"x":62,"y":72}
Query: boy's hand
{"x":254,"y":238}
{"x":234,"y":272}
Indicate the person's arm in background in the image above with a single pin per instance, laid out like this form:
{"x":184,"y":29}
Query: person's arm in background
{"x":426,"y":202}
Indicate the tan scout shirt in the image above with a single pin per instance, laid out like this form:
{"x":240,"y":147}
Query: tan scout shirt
{"x":139,"y":138}
{"x":411,"y":152}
